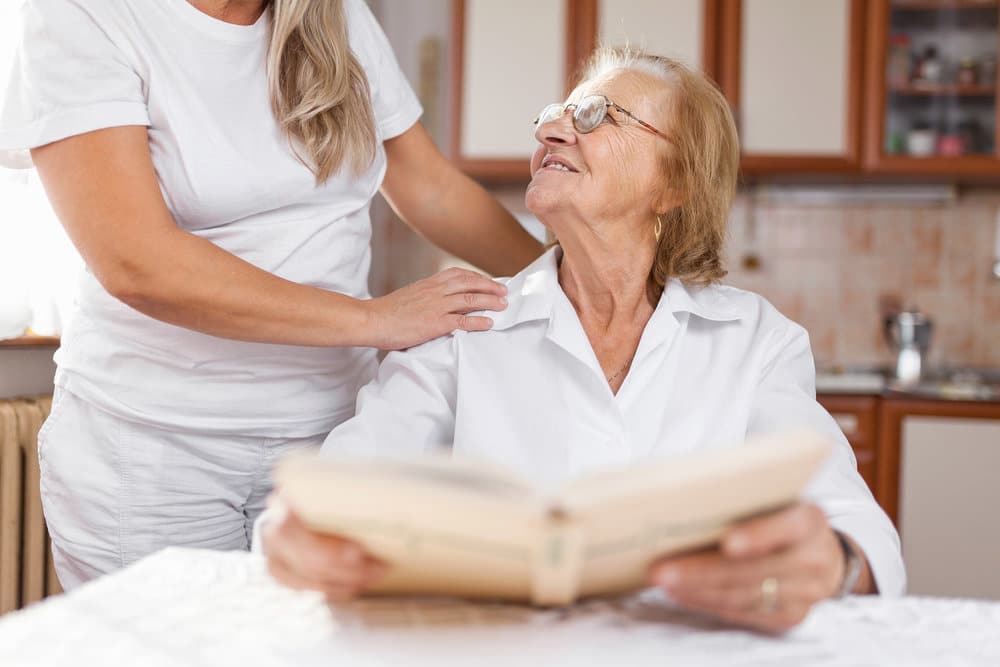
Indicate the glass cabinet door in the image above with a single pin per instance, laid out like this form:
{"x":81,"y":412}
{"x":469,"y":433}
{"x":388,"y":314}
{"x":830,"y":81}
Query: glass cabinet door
{"x":939,"y":83}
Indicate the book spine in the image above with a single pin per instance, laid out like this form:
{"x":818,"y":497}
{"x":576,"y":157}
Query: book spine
{"x":558,"y":559}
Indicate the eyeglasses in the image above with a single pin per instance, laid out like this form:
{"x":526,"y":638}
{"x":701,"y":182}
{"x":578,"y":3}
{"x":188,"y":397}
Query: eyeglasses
{"x":589,"y":114}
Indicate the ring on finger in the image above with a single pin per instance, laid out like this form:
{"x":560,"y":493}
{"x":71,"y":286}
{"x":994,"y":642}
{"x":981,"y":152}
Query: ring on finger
{"x":768,"y":595}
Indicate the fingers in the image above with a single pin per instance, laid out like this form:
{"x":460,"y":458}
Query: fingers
{"x":769,"y":533}
{"x":462,"y":280}
{"x":303,"y":559}
{"x":467,"y":302}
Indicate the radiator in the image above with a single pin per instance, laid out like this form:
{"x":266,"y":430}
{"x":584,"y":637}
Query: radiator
{"x":26,"y":572}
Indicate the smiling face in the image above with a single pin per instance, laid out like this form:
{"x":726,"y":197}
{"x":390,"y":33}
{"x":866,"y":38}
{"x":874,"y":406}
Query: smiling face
{"x":613,"y":175}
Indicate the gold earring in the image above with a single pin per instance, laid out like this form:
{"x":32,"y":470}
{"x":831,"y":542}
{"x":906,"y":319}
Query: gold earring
{"x":658,"y":228}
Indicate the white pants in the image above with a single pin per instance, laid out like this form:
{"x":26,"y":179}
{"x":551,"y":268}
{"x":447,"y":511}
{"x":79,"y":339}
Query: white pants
{"x":115,"y":491}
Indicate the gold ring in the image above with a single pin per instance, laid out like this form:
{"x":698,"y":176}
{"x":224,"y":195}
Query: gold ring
{"x":768,"y":595}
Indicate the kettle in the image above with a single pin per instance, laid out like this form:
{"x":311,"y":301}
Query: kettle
{"x":908,"y":333}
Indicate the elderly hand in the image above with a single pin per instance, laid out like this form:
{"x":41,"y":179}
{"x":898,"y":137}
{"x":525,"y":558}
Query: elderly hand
{"x":767,"y":573}
{"x":303,"y":559}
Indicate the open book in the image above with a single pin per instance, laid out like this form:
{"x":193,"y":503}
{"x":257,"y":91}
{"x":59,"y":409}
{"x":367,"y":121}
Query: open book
{"x":466,"y":528}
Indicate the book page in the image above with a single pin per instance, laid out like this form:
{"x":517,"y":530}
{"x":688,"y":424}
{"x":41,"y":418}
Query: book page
{"x":446,"y":527}
{"x":632,"y":516}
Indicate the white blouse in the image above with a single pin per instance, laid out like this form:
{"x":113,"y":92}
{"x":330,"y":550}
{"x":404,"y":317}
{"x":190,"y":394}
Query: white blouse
{"x":714,"y":365}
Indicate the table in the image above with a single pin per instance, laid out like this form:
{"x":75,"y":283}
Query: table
{"x":193,"y":608}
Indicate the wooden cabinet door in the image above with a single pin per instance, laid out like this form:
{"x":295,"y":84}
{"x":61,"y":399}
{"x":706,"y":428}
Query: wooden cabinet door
{"x":681,"y":29}
{"x":857,"y":416}
{"x":892,"y":411}
{"x":511,"y":59}
{"x":792,"y":71}
{"x":957,"y":114}
{"x":948,"y":500}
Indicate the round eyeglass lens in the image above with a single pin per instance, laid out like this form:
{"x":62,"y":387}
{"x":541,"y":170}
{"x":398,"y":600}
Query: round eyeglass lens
{"x":550,"y":113}
{"x":590,"y":113}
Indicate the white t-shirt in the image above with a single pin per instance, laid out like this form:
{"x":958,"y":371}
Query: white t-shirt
{"x":228,"y":175}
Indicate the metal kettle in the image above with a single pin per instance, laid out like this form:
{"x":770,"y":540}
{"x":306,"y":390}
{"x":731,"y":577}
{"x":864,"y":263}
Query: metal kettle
{"x":908,"y":333}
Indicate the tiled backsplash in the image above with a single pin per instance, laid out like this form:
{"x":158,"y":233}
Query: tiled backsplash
{"x":829,"y":268}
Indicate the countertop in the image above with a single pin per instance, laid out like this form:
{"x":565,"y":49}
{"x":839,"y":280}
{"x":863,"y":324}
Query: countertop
{"x":947,"y":384}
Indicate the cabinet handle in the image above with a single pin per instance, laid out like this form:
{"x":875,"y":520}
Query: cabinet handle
{"x":847,"y":422}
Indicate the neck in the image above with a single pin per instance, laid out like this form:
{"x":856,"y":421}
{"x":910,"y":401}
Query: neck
{"x":605,"y":274}
{"x":238,"y":12}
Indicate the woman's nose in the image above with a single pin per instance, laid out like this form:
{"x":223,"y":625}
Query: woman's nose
{"x":557,"y":132}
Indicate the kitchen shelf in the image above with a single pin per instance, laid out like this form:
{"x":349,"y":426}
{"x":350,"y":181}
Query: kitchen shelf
{"x":30,"y":341}
{"x":936,"y":90}
{"x":931,"y":5}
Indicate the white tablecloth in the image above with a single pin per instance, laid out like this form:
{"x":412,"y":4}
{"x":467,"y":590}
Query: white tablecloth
{"x":191,"y":607}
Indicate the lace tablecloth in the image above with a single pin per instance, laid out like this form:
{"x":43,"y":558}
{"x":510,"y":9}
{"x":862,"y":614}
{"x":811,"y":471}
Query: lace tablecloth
{"x":192,"y":608}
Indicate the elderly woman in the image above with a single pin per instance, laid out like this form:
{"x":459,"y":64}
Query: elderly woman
{"x":618,"y":345}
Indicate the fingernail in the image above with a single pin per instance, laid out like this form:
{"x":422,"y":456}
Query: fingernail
{"x":668,"y":576}
{"x":503,"y":300}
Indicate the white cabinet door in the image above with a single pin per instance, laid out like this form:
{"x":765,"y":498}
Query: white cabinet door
{"x":949,"y":506}
{"x":797,"y":95}
{"x":674,"y":28}
{"x":513,"y":62}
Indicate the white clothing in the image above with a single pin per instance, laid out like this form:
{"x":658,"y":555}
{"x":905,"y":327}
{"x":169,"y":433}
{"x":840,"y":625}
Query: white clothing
{"x":114,"y":491}
{"x":228,"y":175}
{"x":713,"y":366}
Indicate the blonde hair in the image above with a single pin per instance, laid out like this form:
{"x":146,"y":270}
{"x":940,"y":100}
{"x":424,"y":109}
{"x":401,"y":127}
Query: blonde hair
{"x":701,"y":164}
{"x":319,"y":91}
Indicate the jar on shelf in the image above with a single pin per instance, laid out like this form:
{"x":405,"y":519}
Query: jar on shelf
{"x":899,"y":62}
{"x":921,"y":140}
{"x":931,"y":68}
{"x":967,"y":73}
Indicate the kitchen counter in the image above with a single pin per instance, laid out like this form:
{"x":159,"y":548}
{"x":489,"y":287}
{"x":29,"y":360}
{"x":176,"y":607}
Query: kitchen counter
{"x":947,"y":384}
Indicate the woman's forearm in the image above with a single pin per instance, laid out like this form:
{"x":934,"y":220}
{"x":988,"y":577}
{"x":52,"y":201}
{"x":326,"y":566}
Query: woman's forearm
{"x":450,"y":209}
{"x":192,"y":283}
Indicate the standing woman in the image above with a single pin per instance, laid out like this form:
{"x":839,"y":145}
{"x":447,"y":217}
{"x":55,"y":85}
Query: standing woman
{"x":214,"y":162}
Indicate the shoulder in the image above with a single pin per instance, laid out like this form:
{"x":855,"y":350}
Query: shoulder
{"x":753,"y":318}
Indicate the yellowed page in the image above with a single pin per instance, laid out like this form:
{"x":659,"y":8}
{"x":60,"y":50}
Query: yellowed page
{"x":629,"y":517}
{"x":446,"y":527}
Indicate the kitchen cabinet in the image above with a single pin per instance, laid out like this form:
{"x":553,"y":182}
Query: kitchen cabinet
{"x":857,"y":416}
{"x":941,"y":461}
{"x":512,"y":58}
{"x":792,"y":73}
{"x":931,"y":100}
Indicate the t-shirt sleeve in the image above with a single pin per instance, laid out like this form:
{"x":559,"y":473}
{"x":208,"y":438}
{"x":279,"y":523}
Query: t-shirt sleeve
{"x":395,"y":104}
{"x":68,"y":77}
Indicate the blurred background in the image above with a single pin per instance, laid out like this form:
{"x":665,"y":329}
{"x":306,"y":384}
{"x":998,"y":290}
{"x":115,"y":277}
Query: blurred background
{"x":869,"y":211}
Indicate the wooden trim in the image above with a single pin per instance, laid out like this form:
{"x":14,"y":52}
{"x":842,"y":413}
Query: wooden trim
{"x":888,"y":455}
{"x":29,"y":341}
{"x":730,"y":54}
{"x":581,"y":37}
{"x":710,"y":42}
{"x":455,"y":82}
{"x":878,"y":40}
{"x":996,"y":100}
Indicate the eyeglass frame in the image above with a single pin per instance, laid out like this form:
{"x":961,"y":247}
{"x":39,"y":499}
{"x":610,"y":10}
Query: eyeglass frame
{"x":608,"y":104}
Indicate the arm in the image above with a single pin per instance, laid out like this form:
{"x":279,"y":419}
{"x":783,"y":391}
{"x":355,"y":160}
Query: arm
{"x":797,"y":547}
{"x":450,"y":209}
{"x":104,"y":190}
